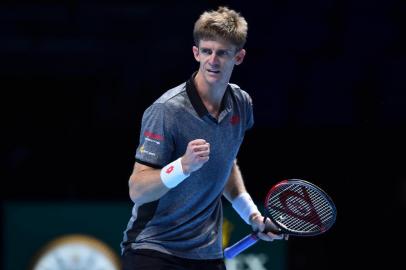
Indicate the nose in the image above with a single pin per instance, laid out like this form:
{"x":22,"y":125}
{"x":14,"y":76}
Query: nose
{"x":213,"y":60}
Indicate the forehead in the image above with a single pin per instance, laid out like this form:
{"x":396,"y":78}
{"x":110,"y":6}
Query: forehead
{"x":217,"y":44}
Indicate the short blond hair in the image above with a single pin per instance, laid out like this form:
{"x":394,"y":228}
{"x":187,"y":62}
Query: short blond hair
{"x":222,"y":23}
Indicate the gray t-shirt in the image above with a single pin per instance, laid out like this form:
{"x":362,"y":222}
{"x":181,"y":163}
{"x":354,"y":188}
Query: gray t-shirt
{"x":187,"y":221}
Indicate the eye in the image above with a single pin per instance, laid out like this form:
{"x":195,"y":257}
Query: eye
{"x":222,"y":53}
{"x":205,"y":51}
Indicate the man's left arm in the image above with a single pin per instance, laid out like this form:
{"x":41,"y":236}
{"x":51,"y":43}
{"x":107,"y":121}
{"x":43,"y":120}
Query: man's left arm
{"x":237,"y":194}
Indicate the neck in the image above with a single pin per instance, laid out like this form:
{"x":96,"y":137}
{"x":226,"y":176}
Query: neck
{"x":211,"y":94}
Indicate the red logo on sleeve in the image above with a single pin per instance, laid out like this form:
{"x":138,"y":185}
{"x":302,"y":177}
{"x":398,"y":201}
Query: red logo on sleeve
{"x":153,"y":136}
{"x":169,"y":170}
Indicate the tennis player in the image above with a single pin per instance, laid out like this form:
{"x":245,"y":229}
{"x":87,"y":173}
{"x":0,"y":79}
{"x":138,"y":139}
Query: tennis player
{"x":186,"y":158}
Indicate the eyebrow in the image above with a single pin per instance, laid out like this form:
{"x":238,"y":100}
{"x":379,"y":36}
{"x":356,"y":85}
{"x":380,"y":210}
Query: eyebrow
{"x":218,"y":50}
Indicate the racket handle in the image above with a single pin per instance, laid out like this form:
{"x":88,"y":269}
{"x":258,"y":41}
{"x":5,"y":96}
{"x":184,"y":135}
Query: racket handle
{"x":240,"y":246}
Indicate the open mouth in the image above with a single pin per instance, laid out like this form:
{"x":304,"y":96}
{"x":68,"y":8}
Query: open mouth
{"x":213,"y":71}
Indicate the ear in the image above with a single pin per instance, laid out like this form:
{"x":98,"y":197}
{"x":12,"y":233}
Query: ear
{"x":239,"y":57}
{"x":196,"y":53}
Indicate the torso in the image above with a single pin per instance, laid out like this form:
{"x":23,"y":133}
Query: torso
{"x":186,"y":221}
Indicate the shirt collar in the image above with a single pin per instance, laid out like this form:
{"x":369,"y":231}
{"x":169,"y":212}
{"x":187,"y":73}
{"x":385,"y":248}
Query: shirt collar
{"x":197,"y":102}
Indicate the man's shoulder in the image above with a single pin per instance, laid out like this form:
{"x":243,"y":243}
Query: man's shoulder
{"x":169,"y":102}
{"x":240,"y":93}
{"x":172,"y":93}
{"x":236,"y":89}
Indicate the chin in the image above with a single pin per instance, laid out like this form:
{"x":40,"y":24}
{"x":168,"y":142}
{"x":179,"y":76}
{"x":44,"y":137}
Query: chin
{"x":213,"y":81}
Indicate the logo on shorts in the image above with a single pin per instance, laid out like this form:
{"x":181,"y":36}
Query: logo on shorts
{"x":169,"y":170}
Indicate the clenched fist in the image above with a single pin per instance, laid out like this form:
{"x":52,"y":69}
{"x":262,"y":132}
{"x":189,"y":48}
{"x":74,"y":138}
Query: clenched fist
{"x":197,"y":153}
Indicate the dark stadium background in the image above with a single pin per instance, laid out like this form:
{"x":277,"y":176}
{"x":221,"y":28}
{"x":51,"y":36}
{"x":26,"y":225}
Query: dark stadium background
{"x":327,"y":80}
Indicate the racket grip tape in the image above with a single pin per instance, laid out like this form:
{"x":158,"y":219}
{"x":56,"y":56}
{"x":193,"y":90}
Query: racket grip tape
{"x":240,"y":246}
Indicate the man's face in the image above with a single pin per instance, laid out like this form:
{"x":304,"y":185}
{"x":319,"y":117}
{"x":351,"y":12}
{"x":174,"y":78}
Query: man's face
{"x":217,"y":59}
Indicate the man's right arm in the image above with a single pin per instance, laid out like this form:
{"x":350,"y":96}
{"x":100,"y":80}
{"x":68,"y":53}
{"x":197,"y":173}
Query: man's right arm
{"x":146,"y":184}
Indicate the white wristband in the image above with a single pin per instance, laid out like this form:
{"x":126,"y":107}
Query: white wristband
{"x":244,"y":206}
{"x":172,"y":174}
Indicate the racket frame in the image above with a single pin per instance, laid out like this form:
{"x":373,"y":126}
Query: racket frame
{"x":280,"y":226}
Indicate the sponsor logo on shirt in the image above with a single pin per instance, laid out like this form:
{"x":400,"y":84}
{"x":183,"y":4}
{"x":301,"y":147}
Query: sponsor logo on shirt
{"x":153,"y":136}
{"x":235,"y":119}
{"x":151,"y":140}
{"x":143,"y":151}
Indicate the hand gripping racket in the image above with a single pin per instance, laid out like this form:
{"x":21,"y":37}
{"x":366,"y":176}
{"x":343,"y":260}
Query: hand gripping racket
{"x":297,"y":207}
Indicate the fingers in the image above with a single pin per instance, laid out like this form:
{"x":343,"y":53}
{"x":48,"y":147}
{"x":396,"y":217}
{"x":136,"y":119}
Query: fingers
{"x":267,"y":231}
{"x":197,"y":154}
{"x":197,"y":142}
{"x":200,"y":149}
{"x":270,"y":226}
{"x":272,"y":236}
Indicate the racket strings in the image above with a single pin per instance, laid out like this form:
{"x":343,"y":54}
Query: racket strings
{"x":321,"y":206}
{"x":301,"y":209}
{"x":294,"y":223}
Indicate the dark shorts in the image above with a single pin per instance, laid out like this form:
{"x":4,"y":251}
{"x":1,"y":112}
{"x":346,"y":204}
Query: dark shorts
{"x":146,"y":259}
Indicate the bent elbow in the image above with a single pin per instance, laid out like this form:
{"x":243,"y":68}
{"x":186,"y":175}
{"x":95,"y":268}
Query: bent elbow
{"x":133,"y":190}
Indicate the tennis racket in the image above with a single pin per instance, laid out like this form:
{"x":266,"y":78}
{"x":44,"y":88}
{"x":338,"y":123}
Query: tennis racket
{"x":297,"y":207}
